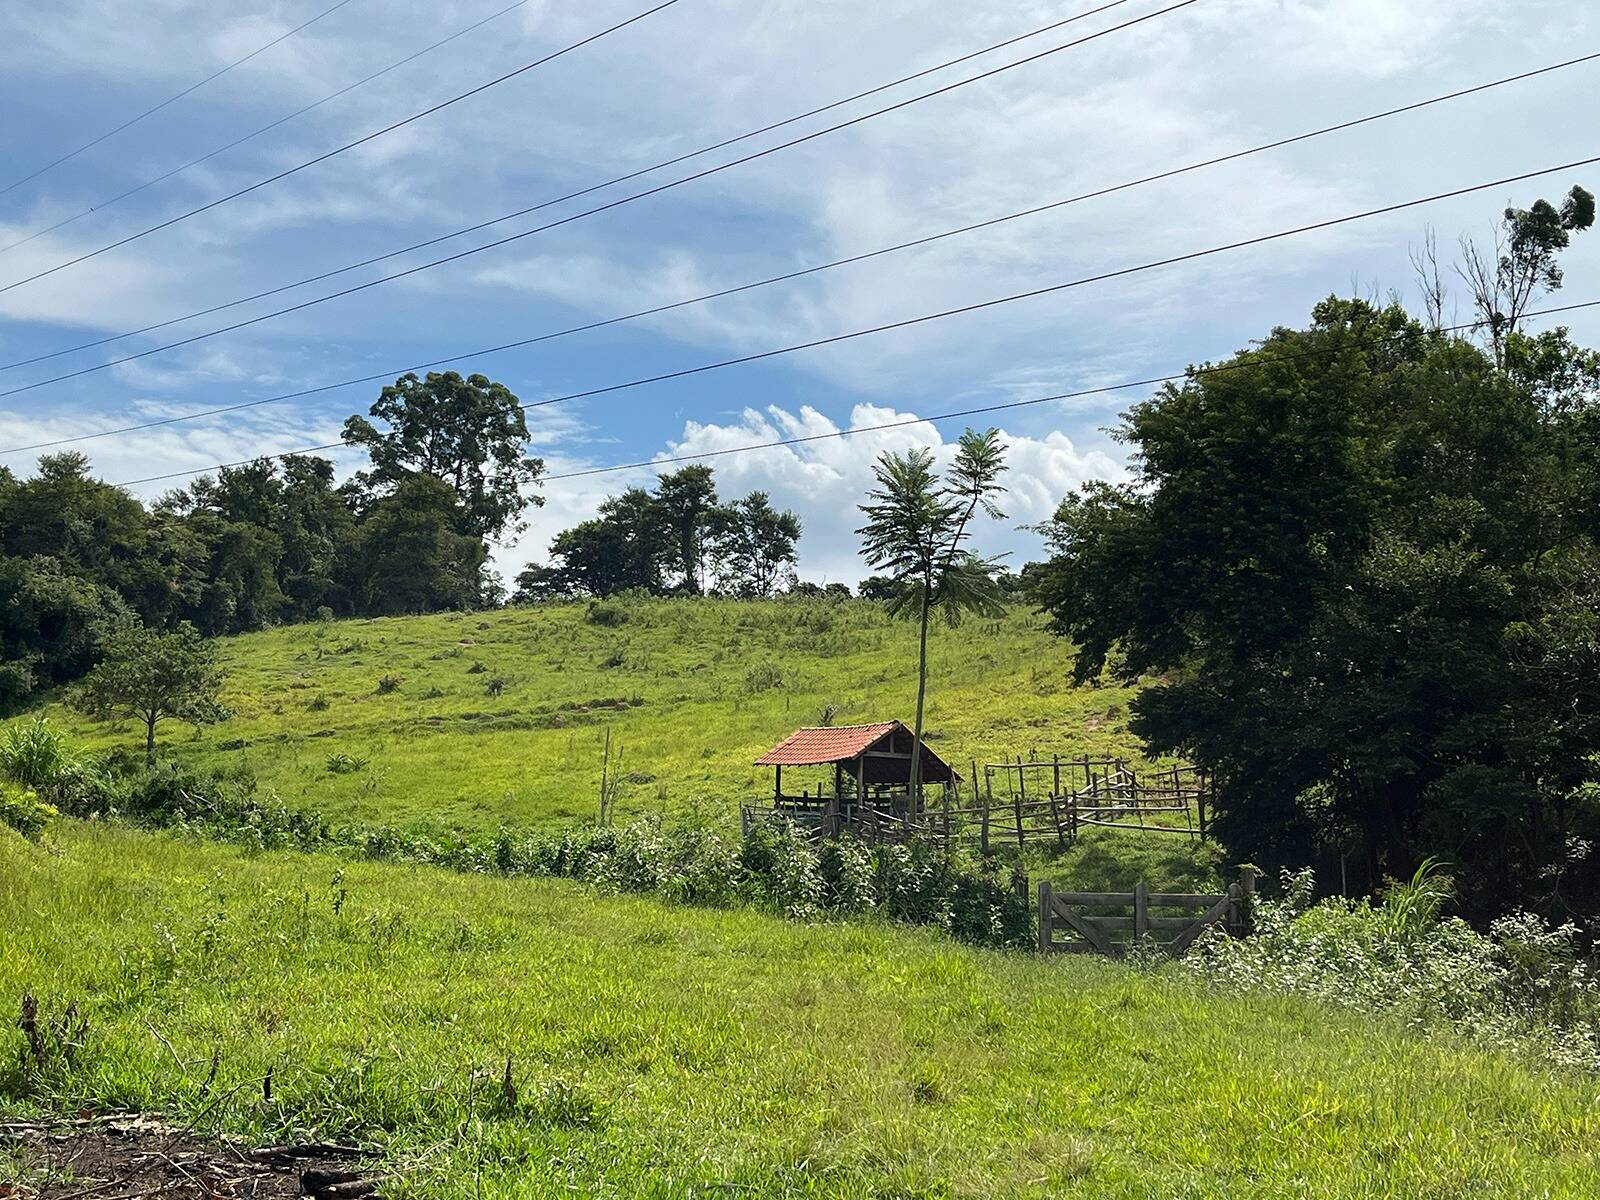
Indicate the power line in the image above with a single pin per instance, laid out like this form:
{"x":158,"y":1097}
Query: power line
{"x":958,"y":414}
{"x":1082,"y":393}
{"x":1033,"y":293}
{"x":812,"y":270}
{"x":193,"y":87}
{"x":239,"y":141}
{"x":360,"y":141}
{"x":434,"y":241}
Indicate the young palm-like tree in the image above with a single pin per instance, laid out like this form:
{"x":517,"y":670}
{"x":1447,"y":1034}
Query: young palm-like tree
{"x":917,"y":529}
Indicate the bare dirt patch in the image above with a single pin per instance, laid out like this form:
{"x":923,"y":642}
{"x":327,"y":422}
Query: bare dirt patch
{"x":137,"y":1158}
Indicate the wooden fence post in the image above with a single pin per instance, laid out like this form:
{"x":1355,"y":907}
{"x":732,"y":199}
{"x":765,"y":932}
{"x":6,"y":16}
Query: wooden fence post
{"x":988,"y":803}
{"x":1141,"y":912}
{"x":1018,"y":797}
{"x":1044,"y":916}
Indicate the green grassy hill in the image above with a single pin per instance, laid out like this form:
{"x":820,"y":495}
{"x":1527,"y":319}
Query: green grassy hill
{"x":668,"y":1052}
{"x":500,"y":717}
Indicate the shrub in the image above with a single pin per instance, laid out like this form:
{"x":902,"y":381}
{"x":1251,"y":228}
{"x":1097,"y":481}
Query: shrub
{"x":494,"y":685}
{"x":389,"y":683}
{"x":22,"y":809}
{"x":847,"y":875}
{"x":340,"y":763}
{"x":762,"y":678}
{"x":606,"y":614}
{"x":1522,"y":983}
{"x":783,"y":868}
{"x":317,"y":704}
{"x":38,"y":756}
{"x":615,"y":659}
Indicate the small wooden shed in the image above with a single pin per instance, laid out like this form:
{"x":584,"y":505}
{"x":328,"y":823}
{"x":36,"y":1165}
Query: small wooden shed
{"x":871,"y":764}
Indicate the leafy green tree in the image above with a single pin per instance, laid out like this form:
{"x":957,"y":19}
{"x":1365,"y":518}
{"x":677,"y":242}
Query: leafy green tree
{"x":412,"y":557}
{"x":91,"y":530}
{"x":754,"y":545}
{"x":48,"y":619}
{"x":918,"y":528}
{"x":151,"y":677}
{"x":1359,"y":575}
{"x":1524,"y":264}
{"x":688,"y":510}
{"x":876,"y":587}
{"x":470,"y":433}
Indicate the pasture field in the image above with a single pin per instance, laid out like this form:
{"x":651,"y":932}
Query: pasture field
{"x":471,"y":721}
{"x":662,"y":1051}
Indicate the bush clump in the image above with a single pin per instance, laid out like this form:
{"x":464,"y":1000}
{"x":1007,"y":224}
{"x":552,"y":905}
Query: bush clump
{"x":22,"y":809}
{"x":1520,"y":984}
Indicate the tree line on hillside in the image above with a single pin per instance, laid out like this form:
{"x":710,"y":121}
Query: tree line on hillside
{"x":678,"y":538}
{"x":268,"y":542}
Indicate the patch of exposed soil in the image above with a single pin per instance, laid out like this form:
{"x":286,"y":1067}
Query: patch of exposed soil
{"x":137,"y":1158}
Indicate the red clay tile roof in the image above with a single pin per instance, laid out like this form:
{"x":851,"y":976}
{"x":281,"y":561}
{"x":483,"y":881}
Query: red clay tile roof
{"x":813,"y":747}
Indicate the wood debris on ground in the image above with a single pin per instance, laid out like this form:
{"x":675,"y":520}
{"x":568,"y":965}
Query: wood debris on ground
{"x":141,"y":1158}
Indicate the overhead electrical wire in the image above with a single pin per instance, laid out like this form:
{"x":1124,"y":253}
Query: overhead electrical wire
{"x":816,"y":269}
{"x":703,"y":150}
{"x":1032,"y":293}
{"x":360,"y":141}
{"x":193,"y":87}
{"x":102,"y":205}
{"x":900,"y":423}
{"x":979,"y":410}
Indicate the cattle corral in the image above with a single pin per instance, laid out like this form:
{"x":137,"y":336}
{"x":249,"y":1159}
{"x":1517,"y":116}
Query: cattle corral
{"x":865,"y":791}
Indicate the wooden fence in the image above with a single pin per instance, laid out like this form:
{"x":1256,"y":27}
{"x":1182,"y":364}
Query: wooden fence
{"x":1100,"y":923}
{"x":1014,"y":802}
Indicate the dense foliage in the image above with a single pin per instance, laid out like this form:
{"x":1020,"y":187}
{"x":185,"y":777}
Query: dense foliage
{"x":271,"y":541}
{"x":1361,"y":562}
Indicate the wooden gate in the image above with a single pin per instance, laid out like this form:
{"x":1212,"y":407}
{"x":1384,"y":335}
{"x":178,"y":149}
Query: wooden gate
{"x":1099,"y":923}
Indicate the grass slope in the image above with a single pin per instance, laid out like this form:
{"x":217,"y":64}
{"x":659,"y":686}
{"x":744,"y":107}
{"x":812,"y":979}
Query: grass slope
{"x":661,"y":1051}
{"x":500,"y":717}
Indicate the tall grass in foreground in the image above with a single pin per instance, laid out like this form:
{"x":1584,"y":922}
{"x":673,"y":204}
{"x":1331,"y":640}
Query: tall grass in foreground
{"x":666,"y":1051}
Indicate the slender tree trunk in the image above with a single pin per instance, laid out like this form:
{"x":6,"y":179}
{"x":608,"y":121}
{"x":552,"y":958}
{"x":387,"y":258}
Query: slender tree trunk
{"x":150,"y":739}
{"x":913,"y":801}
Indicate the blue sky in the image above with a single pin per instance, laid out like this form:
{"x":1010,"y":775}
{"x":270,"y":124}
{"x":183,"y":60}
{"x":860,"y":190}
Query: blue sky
{"x":1216,"y":76}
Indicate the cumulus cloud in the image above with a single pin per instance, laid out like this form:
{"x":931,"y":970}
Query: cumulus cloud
{"x":825,"y":478}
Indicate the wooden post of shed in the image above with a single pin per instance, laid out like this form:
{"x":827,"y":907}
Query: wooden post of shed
{"x":777,"y":787}
{"x":861,"y":785}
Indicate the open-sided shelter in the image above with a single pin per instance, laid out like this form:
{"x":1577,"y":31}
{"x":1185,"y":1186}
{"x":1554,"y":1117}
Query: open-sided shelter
{"x":870,"y":765}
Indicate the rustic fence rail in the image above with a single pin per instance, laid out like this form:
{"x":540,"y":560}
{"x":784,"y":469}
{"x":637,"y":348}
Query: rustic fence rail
{"x":1010,"y":802}
{"x":1091,"y":929}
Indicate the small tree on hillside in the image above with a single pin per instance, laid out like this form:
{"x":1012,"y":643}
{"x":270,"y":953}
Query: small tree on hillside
{"x":150,"y":676}
{"x":917,"y":529}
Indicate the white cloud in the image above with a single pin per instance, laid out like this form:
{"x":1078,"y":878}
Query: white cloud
{"x":825,"y":479}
